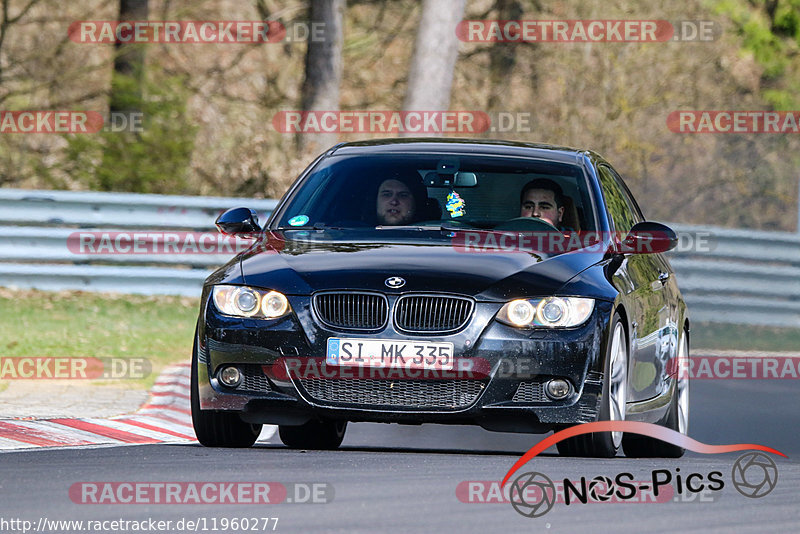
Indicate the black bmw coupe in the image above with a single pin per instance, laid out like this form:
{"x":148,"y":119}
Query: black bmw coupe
{"x":513,"y":286}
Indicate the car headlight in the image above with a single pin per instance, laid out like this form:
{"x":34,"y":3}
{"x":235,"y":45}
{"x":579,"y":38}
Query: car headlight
{"x":550,"y":312}
{"x":243,"y":301}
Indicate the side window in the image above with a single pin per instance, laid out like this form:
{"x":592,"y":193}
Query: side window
{"x":616,"y":200}
{"x":637,"y":213}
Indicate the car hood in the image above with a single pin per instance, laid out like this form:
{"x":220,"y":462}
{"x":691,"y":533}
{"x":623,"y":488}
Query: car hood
{"x":301,"y":266}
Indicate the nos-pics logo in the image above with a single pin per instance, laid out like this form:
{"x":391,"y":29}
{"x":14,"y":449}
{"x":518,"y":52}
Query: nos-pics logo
{"x":533,"y":494}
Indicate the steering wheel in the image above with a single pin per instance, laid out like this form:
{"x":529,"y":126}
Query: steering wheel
{"x":350,"y":223}
{"x":527,"y":224}
{"x":458,"y":223}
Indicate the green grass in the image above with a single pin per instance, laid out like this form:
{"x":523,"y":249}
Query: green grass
{"x":80,"y":324}
{"x":743,"y":337}
{"x":160,"y":329}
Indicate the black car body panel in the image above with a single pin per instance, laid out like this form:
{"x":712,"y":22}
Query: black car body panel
{"x":303,"y":263}
{"x":425,"y":266}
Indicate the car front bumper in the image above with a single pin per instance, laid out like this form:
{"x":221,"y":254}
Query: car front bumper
{"x":508,"y":395}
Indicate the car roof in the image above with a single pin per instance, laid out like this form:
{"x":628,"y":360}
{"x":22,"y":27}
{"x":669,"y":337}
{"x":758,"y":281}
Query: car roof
{"x":462,"y":146}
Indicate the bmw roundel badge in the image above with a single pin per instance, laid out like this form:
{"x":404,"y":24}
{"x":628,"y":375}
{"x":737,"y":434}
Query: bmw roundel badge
{"x":394,"y":282}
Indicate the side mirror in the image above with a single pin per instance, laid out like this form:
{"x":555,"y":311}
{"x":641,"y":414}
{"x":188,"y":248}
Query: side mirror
{"x":648,"y":238}
{"x":238,"y":221}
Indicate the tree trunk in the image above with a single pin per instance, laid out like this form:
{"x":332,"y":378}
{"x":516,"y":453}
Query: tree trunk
{"x":435,"y":52}
{"x":323,"y":69}
{"x":128,"y":76}
{"x":502,"y":56}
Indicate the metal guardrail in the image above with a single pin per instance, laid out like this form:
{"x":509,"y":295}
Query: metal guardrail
{"x":88,"y":209}
{"x":63,"y":245}
{"x":35,"y":227}
{"x":104,"y":278}
{"x":726,"y":275}
{"x":739,"y":276}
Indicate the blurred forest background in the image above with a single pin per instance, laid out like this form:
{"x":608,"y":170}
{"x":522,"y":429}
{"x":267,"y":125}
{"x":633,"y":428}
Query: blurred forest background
{"x":208,"y":107}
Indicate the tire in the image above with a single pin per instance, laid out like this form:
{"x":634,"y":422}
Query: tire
{"x":218,"y":429}
{"x":638,"y":446}
{"x":314,"y":435}
{"x":612,"y":400}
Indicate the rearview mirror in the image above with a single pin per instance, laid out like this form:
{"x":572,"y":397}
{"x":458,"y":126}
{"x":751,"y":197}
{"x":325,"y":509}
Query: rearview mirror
{"x":458,"y":179}
{"x":649,"y":238}
{"x":238,"y":221}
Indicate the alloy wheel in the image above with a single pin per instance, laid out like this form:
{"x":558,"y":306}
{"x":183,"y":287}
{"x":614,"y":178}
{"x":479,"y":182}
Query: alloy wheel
{"x":618,"y":385}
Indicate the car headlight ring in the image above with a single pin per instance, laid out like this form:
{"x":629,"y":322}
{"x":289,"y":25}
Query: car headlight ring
{"x":520,"y":312}
{"x":547,"y":312}
{"x":244,"y":301}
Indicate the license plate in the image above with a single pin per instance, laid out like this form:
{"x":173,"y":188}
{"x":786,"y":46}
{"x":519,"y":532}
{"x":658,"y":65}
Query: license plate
{"x":390,"y":353}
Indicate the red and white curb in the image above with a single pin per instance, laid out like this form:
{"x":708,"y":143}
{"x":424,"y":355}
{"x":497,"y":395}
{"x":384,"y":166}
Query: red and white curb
{"x":165,"y":418}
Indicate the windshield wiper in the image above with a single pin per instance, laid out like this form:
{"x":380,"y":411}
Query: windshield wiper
{"x":444,"y":227}
{"x":414,"y":227}
{"x":316,"y":226}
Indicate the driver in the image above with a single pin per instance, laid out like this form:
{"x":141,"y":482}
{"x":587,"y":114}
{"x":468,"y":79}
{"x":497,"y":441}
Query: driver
{"x":400,"y":200}
{"x":544,"y":199}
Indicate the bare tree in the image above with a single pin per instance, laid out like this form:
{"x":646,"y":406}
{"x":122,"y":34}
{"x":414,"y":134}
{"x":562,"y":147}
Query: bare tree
{"x":126,"y":84}
{"x":435,"y":52}
{"x":6,"y":22}
{"x":502,"y":56}
{"x":323,"y":68}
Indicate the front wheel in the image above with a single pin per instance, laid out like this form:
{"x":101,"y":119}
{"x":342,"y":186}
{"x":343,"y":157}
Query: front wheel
{"x":218,"y":429}
{"x":637,"y":446}
{"x":612,"y":401}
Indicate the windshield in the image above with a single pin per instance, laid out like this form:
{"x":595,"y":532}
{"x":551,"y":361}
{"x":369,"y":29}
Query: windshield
{"x":434,"y":190}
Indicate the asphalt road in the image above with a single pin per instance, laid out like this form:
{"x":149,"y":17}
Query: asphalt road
{"x":388,"y":478}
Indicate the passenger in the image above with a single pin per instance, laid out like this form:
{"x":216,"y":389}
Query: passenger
{"x":544,"y":199}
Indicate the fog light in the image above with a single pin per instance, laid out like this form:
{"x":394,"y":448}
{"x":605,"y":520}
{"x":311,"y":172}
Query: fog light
{"x":230,"y":376}
{"x":558,"y":388}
